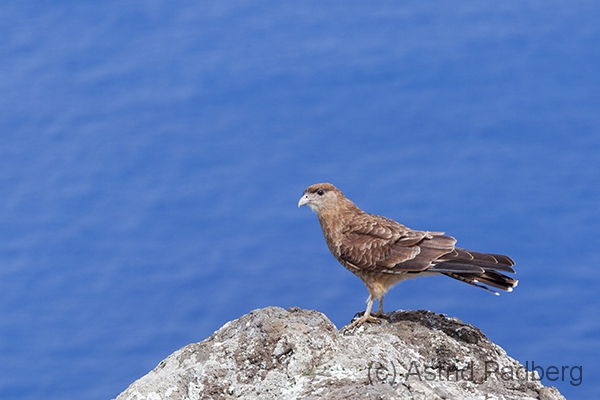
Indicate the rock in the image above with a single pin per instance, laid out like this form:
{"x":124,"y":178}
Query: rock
{"x":274,"y":353}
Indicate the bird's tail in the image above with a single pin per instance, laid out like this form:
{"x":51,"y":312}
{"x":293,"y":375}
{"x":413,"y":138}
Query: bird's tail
{"x":478,"y":269}
{"x":489,"y":278}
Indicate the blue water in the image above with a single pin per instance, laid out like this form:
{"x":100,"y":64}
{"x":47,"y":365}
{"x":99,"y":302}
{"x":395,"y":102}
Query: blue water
{"x":152,"y":155}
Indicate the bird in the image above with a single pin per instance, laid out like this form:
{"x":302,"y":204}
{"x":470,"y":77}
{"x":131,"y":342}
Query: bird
{"x":383,"y":252}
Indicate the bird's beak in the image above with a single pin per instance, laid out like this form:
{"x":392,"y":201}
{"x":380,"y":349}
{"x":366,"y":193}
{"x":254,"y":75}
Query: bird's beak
{"x":303,"y":200}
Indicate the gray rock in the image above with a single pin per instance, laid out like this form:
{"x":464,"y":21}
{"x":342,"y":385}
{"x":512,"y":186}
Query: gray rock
{"x":274,"y":353}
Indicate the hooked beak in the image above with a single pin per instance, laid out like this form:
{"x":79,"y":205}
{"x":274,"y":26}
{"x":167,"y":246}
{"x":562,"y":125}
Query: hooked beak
{"x":303,"y":200}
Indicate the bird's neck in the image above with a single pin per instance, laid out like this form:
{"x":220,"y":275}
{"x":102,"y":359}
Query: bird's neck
{"x":333,"y":222}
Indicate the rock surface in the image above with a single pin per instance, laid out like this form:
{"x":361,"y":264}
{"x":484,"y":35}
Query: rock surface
{"x":274,"y":353}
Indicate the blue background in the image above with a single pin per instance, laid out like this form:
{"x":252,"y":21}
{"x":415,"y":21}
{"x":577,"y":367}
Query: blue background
{"x":152,"y":155}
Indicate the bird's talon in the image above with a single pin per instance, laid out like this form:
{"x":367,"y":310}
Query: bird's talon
{"x":357,"y":322}
{"x":381,"y":316}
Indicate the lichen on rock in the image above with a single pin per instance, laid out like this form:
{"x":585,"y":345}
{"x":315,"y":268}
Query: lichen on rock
{"x":273,"y":353}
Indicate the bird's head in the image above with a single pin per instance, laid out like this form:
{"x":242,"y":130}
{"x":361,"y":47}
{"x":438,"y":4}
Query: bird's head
{"x":320,"y":196}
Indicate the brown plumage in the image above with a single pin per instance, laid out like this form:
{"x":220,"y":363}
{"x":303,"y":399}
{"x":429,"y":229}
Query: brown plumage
{"x":383,"y":252}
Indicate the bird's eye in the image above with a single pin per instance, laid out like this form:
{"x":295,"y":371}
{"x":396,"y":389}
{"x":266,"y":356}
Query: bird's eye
{"x":320,"y":192}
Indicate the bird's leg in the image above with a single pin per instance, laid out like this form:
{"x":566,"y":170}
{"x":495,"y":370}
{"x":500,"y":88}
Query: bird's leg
{"x":366,"y":317}
{"x":380,"y":313}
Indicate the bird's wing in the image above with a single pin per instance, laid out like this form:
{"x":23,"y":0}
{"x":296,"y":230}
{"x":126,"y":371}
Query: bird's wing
{"x":379,"y":244}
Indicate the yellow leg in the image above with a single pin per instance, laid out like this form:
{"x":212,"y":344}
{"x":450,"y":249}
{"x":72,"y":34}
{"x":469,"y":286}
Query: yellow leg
{"x":366,"y":317}
{"x":380,"y":309}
